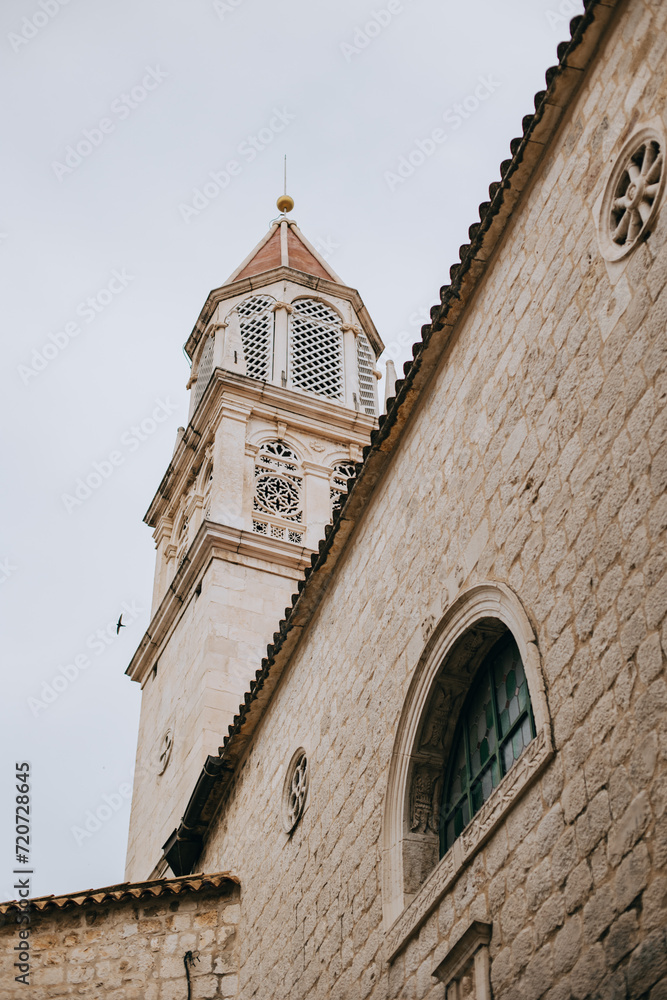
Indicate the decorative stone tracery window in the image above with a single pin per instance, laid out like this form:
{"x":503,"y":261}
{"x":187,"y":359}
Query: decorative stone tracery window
{"x":256,"y":321}
{"x":342,"y":471}
{"x":278,"y":499}
{"x":486,"y":629}
{"x":295,"y":790}
{"x":316,"y":348}
{"x":633,"y":193}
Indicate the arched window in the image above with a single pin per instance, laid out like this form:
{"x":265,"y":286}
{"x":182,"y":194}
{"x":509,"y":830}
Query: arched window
{"x":256,"y":321}
{"x":316,"y":348}
{"x":278,"y":493}
{"x":494,"y":728}
{"x":342,"y":471}
{"x":473,"y":735}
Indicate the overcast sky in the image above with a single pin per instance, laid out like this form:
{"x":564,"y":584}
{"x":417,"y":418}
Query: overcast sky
{"x":394,"y":116}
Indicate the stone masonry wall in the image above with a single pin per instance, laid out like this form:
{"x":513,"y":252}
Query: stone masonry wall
{"x":538,"y":458}
{"x":129,"y":950}
{"x":201,"y":677}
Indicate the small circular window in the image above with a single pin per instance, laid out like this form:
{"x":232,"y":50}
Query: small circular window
{"x":295,"y":790}
{"x":632,"y":195}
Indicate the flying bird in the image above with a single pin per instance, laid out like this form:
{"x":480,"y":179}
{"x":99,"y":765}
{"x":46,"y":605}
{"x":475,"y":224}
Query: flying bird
{"x":119,"y":625}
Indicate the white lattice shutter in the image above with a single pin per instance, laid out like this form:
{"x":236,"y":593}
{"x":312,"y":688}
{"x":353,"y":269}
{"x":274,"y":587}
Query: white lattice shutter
{"x":257,"y":333}
{"x":316,"y":349}
{"x":366,"y":377}
{"x":204,"y":371}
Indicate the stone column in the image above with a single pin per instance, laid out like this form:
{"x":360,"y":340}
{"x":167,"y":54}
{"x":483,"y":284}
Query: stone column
{"x":227,"y":494}
{"x":317,"y":501}
{"x":350,"y":334}
{"x":281,"y":312}
{"x":162,"y":536}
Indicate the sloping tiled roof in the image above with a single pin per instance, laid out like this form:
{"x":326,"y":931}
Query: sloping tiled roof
{"x":516,"y":173}
{"x":127,"y":891}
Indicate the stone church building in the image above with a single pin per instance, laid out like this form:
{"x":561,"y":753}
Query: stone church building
{"x":446,"y":776}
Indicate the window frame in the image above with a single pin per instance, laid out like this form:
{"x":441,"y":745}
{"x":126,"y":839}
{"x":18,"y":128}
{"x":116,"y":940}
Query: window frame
{"x":485,"y":671}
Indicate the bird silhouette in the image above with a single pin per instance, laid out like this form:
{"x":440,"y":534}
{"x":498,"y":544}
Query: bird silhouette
{"x":119,"y":625}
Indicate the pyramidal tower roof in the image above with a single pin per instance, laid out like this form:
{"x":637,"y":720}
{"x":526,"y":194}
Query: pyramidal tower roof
{"x":284,"y":246}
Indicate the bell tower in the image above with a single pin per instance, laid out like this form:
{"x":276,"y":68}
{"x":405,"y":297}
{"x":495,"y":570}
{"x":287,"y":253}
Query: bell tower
{"x":283,"y":398}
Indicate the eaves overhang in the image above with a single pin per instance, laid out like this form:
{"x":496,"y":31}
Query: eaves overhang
{"x":246,"y":286}
{"x":301,"y":409}
{"x":517,"y":174}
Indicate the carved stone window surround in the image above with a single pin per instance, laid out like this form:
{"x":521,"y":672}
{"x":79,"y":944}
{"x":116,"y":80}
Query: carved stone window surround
{"x":464,"y":967}
{"x":642,"y":197}
{"x":406,"y":801}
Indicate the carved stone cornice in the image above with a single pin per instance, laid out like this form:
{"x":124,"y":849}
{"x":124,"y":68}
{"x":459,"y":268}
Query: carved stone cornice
{"x":515,"y":783}
{"x":234,"y":395}
{"x":212,"y":541}
{"x":256,"y":282}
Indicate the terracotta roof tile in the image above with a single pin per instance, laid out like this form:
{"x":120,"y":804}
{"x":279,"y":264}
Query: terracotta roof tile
{"x":126,"y":890}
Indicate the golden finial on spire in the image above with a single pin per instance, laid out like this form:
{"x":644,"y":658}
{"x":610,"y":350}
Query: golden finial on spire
{"x":285,"y":203}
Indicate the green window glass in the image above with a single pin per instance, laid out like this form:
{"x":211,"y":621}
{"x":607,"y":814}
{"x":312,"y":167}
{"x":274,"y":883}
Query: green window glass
{"x":495,"y":727}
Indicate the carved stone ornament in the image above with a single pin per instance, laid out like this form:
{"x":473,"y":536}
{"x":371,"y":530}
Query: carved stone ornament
{"x":425,"y":795}
{"x":525,"y":771}
{"x":164,"y":751}
{"x":464,"y":968}
{"x":295,"y":790}
{"x":632,"y":195}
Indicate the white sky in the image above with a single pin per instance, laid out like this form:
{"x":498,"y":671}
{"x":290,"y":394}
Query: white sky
{"x":218,"y":77}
